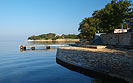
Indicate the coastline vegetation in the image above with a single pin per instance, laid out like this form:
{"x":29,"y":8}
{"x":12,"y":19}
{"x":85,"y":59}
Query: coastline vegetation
{"x":52,"y":36}
{"x":116,"y":14}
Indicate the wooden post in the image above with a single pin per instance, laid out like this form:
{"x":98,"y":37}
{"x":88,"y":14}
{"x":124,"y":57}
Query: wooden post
{"x":22,"y":47}
{"x":32,"y":48}
{"x":47,"y":47}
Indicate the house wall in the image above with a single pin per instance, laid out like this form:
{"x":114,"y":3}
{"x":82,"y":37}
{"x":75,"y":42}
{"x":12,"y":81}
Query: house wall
{"x":117,"y":39}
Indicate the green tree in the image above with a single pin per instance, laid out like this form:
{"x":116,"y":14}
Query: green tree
{"x":87,"y":28}
{"x":52,"y":36}
{"x":107,"y":19}
{"x":113,"y":15}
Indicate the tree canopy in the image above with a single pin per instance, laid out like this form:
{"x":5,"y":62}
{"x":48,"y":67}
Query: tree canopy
{"x":109,"y":18}
{"x":52,"y":36}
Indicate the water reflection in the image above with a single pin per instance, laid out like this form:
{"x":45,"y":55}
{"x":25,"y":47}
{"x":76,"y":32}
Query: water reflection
{"x":99,"y":78}
{"x":33,"y":67}
{"x":50,"y":42}
{"x":52,"y":49}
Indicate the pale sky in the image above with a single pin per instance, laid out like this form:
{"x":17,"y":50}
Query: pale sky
{"x":22,"y":18}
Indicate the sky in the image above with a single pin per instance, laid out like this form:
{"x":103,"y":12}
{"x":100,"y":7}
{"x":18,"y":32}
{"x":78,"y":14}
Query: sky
{"x":20,"y":19}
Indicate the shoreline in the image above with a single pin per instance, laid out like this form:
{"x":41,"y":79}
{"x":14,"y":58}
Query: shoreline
{"x":88,"y":72}
{"x":57,"y":40}
{"x":111,"y":62}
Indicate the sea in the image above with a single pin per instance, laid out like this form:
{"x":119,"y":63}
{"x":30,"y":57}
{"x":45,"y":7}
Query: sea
{"x":36,"y":66}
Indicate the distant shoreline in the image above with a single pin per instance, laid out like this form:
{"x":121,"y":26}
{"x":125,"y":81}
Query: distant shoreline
{"x":57,"y":40}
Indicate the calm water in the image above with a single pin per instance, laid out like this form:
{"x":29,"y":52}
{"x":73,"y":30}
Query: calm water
{"x":35,"y":66}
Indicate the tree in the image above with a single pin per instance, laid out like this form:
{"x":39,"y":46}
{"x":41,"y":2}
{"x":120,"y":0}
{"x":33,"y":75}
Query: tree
{"x":107,"y":19}
{"x":113,"y":15}
{"x":87,"y":28}
{"x":52,"y":36}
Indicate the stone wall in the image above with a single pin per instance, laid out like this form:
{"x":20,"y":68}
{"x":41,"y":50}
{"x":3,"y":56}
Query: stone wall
{"x":114,"y":63}
{"x":118,"y":39}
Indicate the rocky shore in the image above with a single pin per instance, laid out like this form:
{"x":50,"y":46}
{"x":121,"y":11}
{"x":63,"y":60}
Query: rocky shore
{"x":113,"y":62}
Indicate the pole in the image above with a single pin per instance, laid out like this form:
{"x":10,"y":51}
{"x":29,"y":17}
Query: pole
{"x":122,"y":28}
{"x":127,"y":26}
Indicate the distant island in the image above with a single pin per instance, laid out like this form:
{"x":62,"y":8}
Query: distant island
{"x":54,"y":37}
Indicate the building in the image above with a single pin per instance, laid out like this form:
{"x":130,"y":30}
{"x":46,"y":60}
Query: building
{"x":117,"y":39}
{"x":120,"y":30}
